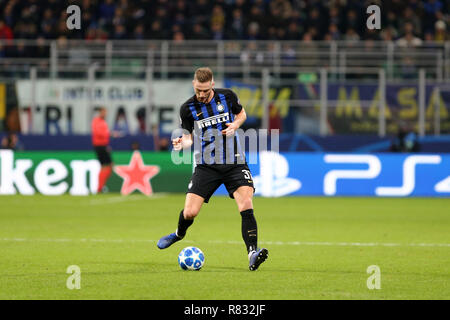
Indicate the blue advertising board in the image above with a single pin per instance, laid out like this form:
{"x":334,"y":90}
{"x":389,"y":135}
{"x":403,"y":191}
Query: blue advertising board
{"x":349,"y":174}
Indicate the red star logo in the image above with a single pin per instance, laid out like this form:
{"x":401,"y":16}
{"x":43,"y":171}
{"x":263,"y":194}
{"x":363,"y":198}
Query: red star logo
{"x":136,"y":175}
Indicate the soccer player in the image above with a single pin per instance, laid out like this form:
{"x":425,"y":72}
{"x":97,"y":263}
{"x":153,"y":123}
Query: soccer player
{"x":220,"y":160}
{"x":100,"y":141}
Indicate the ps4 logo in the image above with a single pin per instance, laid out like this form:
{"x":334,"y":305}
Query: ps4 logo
{"x":273,"y":180}
{"x":373,"y":170}
{"x":382,"y":175}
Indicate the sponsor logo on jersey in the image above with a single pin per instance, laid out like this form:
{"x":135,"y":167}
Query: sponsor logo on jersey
{"x":208,"y":122}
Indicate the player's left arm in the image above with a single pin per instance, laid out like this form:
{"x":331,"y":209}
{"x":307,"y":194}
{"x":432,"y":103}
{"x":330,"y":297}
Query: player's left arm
{"x":233,"y":126}
{"x":238,"y":110}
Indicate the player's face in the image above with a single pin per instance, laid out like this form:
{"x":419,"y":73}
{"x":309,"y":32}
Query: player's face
{"x":102,"y":113}
{"x":203,"y":90}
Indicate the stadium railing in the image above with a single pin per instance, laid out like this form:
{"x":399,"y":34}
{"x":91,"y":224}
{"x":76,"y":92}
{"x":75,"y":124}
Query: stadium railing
{"x":71,"y":58}
{"x":326,"y":80}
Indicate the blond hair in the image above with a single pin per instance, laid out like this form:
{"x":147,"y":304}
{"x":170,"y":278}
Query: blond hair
{"x":204,"y":74}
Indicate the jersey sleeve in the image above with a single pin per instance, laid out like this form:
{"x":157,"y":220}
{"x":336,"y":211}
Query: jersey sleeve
{"x":186,"y":119}
{"x":236,"y":106}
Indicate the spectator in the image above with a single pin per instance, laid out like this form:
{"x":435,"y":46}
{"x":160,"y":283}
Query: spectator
{"x":283,"y":7}
{"x":316,"y":23}
{"x":106,"y":11}
{"x":333,"y":32}
{"x":120,"y":33}
{"x":198,"y":33}
{"x":391,"y":21}
{"x":121,"y":123}
{"x":62,"y":29}
{"x":180,"y":8}
{"x":48,"y":19}
{"x":2,"y":51}
{"x":441,"y":33}
{"x":293,"y":31}
{"x":92,"y":33}
{"x":388,"y":34}
{"x":272,"y":33}
{"x":253,"y":31}
{"x":21,"y":51}
{"x":409,"y":39}
{"x":8,"y":14}
{"x":351,"y":35}
{"x":230,"y":19}
{"x":242,"y":5}
{"x":237,"y":25}
{"x":309,"y":46}
{"x":11,"y":141}
{"x":217,"y":31}
{"x":410,"y":17}
{"x":119,"y":18}
{"x":334,"y":16}
{"x":42,"y":50}
{"x":372,"y":35}
{"x":138,"y":33}
{"x":431,"y":9}
{"x":5,"y":31}
{"x":408,"y":68}
{"x":256,"y":15}
{"x":201,"y":10}
{"x":288,"y":55}
{"x":405,"y":141}
{"x":156,"y":31}
{"x":135,"y":146}
{"x":47,"y":31}
{"x":178,"y":37}
{"x":218,"y":17}
{"x":164,"y":144}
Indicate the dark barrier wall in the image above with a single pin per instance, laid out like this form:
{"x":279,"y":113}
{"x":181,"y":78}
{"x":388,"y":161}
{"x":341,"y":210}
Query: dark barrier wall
{"x":288,"y":143}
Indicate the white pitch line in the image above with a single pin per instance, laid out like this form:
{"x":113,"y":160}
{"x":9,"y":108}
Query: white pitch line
{"x":288,"y":243}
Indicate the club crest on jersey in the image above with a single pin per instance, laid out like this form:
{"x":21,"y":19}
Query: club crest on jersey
{"x":220,"y":107}
{"x":207,"y":122}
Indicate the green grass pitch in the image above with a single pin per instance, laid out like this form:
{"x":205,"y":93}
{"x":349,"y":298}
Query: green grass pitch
{"x":319,"y":248}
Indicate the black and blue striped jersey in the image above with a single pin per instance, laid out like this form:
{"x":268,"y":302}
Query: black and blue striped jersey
{"x":206,"y":121}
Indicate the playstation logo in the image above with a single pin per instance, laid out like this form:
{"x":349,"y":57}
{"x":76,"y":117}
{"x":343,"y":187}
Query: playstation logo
{"x":273,"y":180}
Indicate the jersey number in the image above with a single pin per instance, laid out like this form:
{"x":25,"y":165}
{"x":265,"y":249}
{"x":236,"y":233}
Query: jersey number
{"x":247,"y":174}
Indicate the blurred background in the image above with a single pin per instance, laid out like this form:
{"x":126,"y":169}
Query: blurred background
{"x":310,"y":68}
{"x":363,"y":116}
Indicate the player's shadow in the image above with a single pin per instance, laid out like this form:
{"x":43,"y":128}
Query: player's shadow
{"x":141,"y":267}
{"x":162,"y":267}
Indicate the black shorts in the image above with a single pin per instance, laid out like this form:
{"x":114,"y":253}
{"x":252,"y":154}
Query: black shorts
{"x":207,"y":178}
{"x":103,"y":155}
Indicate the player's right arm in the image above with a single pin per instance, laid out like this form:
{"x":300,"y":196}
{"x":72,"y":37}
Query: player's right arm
{"x":183,"y":142}
{"x":187,"y":123}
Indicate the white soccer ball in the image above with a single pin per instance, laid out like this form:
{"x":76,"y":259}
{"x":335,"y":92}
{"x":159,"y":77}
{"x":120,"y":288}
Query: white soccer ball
{"x":191,"y":258}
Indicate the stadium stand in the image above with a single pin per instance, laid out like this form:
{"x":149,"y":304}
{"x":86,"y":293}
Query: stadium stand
{"x":144,"y":40}
{"x":222,"y":20}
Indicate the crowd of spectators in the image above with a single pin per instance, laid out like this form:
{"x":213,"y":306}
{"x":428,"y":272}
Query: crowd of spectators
{"x":408,"y":21}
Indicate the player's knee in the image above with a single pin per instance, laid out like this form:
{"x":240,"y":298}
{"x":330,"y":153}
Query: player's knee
{"x":190,"y":213}
{"x":245,"y":204}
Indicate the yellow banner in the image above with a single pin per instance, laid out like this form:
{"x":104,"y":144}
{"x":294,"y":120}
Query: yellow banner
{"x":2,"y":101}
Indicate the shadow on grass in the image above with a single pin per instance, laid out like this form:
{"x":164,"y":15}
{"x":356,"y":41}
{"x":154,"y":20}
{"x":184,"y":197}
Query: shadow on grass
{"x":163,"y":267}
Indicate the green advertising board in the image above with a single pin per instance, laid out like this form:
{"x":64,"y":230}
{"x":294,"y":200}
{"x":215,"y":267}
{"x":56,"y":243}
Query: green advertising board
{"x":76,"y":173}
